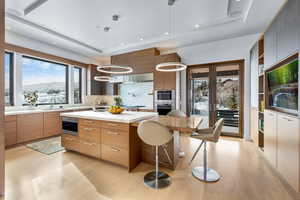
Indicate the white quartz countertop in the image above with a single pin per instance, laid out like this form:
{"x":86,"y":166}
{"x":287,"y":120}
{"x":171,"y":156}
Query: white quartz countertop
{"x":37,"y":110}
{"x":125,"y":117}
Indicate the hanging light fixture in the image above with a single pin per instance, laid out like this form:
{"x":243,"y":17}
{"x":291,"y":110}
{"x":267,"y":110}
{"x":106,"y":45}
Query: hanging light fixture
{"x":115,"y":69}
{"x":170,"y":66}
{"x":103,"y":78}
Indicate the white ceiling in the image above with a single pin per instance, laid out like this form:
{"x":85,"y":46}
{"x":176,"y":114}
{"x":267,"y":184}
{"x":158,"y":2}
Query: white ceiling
{"x":78,"y":25}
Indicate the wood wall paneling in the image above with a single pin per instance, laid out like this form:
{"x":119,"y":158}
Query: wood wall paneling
{"x":2,"y":138}
{"x":38,"y":54}
{"x":165,"y":80}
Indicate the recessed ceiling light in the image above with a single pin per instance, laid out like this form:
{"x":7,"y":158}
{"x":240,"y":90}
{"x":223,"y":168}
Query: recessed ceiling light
{"x":141,"y":39}
{"x":166,"y":33}
{"x":197,"y":25}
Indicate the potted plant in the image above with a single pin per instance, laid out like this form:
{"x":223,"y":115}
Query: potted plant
{"x":31,"y":98}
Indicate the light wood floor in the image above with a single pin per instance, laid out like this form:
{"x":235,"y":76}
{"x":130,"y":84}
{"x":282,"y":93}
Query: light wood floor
{"x":66,"y":175}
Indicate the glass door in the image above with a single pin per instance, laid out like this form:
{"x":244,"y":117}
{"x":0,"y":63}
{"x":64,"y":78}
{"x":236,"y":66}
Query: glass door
{"x":227,"y":105}
{"x":216,"y":91}
{"x":200,"y":94}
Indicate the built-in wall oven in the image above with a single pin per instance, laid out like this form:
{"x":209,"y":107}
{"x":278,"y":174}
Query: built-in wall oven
{"x":164,"y":101}
{"x":70,"y":126}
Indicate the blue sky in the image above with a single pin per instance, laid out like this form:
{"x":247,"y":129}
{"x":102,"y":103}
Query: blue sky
{"x":36,"y":72}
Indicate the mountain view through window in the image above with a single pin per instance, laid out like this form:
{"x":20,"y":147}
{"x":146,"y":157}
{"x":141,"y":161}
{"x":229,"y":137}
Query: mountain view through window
{"x":46,"y":78}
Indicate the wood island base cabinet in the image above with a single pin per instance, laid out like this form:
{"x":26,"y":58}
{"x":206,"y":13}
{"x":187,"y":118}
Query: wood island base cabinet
{"x":117,"y":143}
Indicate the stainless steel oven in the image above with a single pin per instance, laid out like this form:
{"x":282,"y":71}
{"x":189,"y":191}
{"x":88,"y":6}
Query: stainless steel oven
{"x":164,"y":101}
{"x":70,"y":126}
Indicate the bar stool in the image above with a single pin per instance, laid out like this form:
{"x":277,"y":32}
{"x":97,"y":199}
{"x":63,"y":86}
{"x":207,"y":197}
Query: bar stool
{"x":212,"y":135}
{"x":155,"y":134}
{"x":178,"y":113}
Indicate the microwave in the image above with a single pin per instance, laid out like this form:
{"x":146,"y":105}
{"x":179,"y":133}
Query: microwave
{"x":165,"y":95}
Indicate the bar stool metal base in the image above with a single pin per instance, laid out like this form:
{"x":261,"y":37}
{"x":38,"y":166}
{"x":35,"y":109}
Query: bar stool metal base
{"x":163,"y":180}
{"x":211,"y":175}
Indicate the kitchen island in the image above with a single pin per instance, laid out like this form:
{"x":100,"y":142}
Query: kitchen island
{"x":114,"y":138}
{"x":107,"y":136}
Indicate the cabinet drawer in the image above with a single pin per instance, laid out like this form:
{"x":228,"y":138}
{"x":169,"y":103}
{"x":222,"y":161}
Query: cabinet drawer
{"x":115,"y":154}
{"x":89,"y":134}
{"x":115,"y":125}
{"x":10,"y":118}
{"x":70,"y":142}
{"x":90,"y":123}
{"x":115,"y":137}
{"x":90,"y":148}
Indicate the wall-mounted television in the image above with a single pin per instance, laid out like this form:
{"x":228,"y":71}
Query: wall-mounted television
{"x":282,"y":86}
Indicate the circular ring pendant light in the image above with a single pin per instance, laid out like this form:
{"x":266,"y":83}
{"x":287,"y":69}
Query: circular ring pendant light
{"x":171,"y":67}
{"x":103,"y":78}
{"x":115,"y":69}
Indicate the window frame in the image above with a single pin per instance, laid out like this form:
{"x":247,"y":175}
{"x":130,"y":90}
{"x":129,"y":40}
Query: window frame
{"x":66,"y":76}
{"x":80,"y":84}
{"x":11,"y":76}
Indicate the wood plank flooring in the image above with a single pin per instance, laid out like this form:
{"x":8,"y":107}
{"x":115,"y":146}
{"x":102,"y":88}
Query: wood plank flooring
{"x":65,"y":175}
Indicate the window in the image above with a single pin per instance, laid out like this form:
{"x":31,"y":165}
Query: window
{"x":48,"y":79}
{"x":8,"y":63}
{"x":77,"y":85}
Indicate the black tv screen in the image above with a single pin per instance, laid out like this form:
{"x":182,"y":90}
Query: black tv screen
{"x":283,"y":87}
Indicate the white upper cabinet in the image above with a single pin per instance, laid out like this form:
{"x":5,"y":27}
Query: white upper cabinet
{"x":288,"y":30}
{"x":282,"y":37}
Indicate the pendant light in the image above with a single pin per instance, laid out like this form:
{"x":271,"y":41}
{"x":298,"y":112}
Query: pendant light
{"x":103,"y":78}
{"x":115,"y":69}
{"x":170,"y":66}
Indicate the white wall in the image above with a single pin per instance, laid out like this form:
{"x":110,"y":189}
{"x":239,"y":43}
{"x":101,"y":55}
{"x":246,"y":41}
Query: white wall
{"x":219,"y":51}
{"x":19,"y":40}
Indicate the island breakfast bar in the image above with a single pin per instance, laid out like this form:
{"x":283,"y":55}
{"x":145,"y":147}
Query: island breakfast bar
{"x":114,"y":138}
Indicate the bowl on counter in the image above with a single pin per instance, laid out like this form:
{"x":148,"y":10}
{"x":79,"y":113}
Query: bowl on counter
{"x":116,"y":109}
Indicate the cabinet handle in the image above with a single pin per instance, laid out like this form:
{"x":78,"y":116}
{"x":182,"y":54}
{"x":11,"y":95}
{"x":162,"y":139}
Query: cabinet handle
{"x":289,"y":120}
{"x":70,"y":139}
{"x":115,"y":149}
{"x":112,"y":133}
{"x":90,"y":144}
{"x":88,"y":129}
{"x":89,"y":122}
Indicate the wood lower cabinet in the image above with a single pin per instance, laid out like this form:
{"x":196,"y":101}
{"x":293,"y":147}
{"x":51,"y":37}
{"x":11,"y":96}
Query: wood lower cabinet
{"x":288,"y":151}
{"x":10,"y":130}
{"x":100,"y":139}
{"x":70,"y":142}
{"x":30,"y":127}
{"x":90,"y":148}
{"x":270,"y":137}
{"x":115,"y":154}
{"x":52,"y":124}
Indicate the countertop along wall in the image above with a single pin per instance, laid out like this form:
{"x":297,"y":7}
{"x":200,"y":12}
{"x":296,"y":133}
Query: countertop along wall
{"x":219,"y":51}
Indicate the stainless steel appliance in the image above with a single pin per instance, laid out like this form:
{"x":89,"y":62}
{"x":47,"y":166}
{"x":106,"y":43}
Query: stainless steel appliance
{"x":70,"y":126}
{"x":165,"y":101}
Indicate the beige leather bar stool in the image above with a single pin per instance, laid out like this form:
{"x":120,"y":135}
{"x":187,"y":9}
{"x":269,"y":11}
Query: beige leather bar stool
{"x":155,"y":134}
{"x":178,"y":113}
{"x":212,"y":135}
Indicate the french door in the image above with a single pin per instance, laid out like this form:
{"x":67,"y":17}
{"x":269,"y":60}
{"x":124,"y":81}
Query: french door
{"x":216,"y":91}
